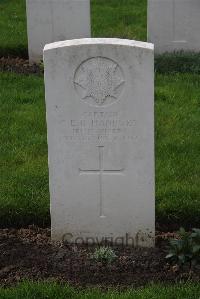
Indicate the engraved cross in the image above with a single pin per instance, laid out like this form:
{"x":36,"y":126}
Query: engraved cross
{"x":100,"y":172}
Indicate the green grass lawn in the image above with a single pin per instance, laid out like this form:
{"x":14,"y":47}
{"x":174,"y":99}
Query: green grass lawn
{"x":13,"y":34}
{"x":23,"y":150}
{"x":110,"y":18}
{"x":177,"y":149}
{"x":119,"y":18}
{"x":55,"y":291}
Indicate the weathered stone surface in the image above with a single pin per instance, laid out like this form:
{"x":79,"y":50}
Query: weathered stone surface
{"x":55,"y":20}
{"x":100,"y":118}
{"x":174,"y":25}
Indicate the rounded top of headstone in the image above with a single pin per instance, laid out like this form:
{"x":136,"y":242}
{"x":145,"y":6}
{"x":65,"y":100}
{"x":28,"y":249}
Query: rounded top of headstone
{"x":99,"y":41}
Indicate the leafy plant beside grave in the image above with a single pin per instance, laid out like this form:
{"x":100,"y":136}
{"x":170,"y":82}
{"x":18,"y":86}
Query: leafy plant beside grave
{"x":105,"y":255}
{"x":185,"y":249}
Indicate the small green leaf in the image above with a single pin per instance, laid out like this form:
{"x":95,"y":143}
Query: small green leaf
{"x":196,"y":230}
{"x":181,"y":258}
{"x":170,"y":255}
{"x":194,"y":235}
{"x":196,"y":248}
{"x":182,"y":231}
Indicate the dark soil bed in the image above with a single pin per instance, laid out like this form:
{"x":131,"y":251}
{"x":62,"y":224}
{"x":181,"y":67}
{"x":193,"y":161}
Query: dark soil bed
{"x":20,"y":65}
{"x":30,"y":254}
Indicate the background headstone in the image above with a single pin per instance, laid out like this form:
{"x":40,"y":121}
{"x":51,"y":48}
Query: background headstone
{"x":174,"y":25}
{"x":55,"y":20}
{"x":100,"y":118}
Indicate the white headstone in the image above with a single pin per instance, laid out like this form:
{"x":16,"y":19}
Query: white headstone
{"x":174,"y":25}
{"x":49,"y":21}
{"x":100,"y":118}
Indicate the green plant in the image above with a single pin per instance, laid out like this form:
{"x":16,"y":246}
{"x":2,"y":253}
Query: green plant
{"x":104,"y":255}
{"x":195,"y":236}
{"x":186,"y":248}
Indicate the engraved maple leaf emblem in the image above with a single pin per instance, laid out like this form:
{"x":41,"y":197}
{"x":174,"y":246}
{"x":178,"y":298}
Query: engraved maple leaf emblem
{"x":100,"y":79}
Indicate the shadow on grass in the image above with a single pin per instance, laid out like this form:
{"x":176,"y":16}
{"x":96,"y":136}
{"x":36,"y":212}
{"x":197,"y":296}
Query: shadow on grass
{"x":20,"y":51}
{"x":178,"y":62}
{"x":167,"y":63}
